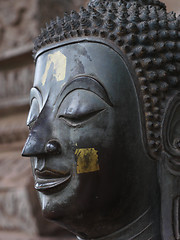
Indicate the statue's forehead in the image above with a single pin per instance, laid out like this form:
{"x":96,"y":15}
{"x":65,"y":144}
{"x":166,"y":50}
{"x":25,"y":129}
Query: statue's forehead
{"x":57,"y":66}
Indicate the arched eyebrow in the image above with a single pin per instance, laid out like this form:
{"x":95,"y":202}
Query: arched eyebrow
{"x":36,"y":93}
{"x":85,"y":83}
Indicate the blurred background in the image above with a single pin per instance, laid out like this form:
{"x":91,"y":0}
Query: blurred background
{"x":20,"y":21}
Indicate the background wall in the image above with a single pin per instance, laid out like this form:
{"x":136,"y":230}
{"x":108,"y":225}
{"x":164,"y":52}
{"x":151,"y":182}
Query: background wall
{"x":20,"y":21}
{"x":173,"y":5}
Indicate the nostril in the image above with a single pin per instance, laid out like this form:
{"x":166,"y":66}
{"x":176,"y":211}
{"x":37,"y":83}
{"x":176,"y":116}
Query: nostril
{"x":53,"y":146}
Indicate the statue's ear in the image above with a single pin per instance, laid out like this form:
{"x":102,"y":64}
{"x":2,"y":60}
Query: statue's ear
{"x":171,"y":127}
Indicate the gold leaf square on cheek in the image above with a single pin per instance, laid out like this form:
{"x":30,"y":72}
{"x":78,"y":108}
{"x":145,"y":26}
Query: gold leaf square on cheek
{"x":87,"y":160}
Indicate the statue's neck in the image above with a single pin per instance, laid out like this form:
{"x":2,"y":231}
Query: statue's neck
{"x":143,"y":228}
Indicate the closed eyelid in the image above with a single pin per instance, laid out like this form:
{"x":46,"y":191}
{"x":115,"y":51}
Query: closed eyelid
{"x":85,"y":83}
{"x":74,"y":120}
{"x":80,"y":106}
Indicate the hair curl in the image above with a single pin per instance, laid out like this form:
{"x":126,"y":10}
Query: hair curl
{"x":147,"y":35}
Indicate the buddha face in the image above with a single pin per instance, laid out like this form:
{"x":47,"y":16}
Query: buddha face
{"x":85,"y":143}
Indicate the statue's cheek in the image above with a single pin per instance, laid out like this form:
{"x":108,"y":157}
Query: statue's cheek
{"x":87,"y":160}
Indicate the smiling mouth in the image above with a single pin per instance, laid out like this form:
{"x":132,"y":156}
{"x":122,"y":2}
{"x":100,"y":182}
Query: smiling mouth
{"x":47,"y":180}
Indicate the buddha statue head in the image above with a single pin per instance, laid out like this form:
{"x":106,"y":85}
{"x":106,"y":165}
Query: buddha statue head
{"x":104,"y":137}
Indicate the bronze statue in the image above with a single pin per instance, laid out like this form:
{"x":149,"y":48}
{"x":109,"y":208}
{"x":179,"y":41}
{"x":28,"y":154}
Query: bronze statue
{"x":104,"y":121}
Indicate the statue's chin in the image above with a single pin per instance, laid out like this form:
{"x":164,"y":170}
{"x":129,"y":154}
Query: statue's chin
{"x":63,"y":219}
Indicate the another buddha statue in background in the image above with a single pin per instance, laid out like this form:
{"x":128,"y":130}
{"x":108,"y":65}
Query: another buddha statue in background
{"x":104,"y":121}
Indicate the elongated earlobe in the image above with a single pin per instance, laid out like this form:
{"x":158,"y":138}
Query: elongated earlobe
{"x":171,"y":127}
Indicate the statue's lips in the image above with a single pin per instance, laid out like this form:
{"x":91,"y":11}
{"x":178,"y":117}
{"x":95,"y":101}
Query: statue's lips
{"x":47,"y":179}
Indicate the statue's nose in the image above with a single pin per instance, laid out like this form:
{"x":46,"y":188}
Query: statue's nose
{"x":53,"y":146}
{"x":40,"y":140}
{"x":33,"y":147}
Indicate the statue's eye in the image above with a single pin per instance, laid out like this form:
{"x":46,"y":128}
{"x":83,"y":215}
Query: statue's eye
{"x":33,"y":113}
{"x":79,"y":117}
{"x":80,"y":106}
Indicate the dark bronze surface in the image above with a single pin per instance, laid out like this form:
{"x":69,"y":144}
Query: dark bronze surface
{"x":104,"y":123}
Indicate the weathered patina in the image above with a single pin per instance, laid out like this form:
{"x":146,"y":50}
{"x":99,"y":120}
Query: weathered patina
{"x":104,"y":123}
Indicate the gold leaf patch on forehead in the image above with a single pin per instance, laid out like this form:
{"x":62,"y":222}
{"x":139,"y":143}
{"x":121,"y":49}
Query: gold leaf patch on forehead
{"x":59,"y":66}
